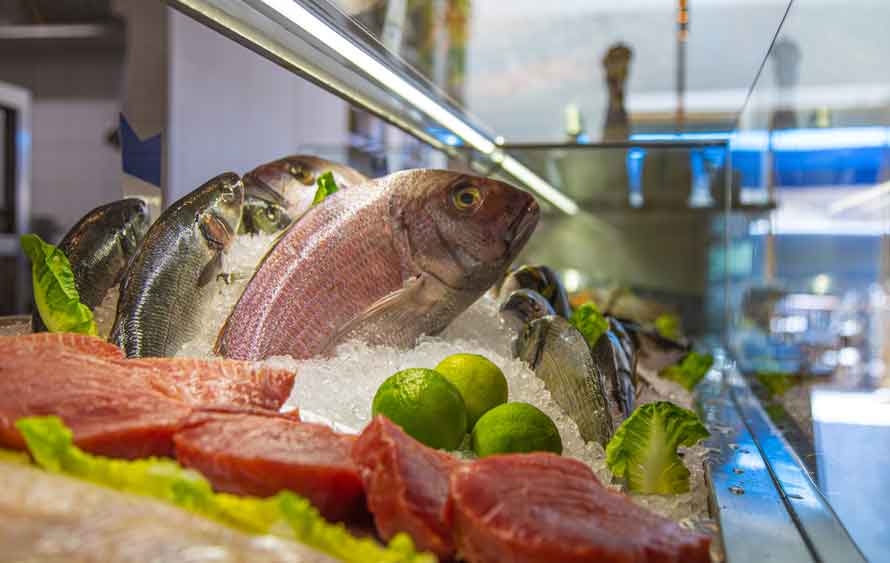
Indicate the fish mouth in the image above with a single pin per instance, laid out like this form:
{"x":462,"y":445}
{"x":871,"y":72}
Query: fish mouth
{"x":522,"y":227}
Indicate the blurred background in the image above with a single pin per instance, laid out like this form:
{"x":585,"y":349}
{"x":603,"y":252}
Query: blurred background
{"x":728,"y":158}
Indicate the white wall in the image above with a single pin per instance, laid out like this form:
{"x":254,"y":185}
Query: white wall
{"x":230,"y":109}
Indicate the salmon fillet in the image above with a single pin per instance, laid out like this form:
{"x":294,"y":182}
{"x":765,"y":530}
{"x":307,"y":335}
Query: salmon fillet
{"x":262,"y":454}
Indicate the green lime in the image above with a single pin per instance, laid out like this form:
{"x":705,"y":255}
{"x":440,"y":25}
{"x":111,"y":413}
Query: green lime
{"x":515,"y":428}
{"x":481,"y":383}
{"x":426,"y":405}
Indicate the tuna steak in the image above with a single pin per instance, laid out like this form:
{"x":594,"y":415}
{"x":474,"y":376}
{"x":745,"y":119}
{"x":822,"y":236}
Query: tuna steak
{"x":260,"y":455}
{"x":387,"y":263}
{"x":529,"y":508}
{"x":406,"y":484}
{"x":118,"y":407}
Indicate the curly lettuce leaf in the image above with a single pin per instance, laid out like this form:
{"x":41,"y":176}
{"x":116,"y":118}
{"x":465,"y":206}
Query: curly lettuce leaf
{"x":285,"y":514}
{"x":590,"y":322}
{"x":669,"y":326}
{"x":326,"y":186}
{"x":55,"y":294}
{"x":643,"y":450}
{"x":689,"y":371}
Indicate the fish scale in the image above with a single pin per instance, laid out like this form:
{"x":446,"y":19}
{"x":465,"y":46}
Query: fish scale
{"x":356,"y":265}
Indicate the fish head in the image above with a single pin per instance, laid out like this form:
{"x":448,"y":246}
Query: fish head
{"x":294,"y":178}
{"x":463,"y":230}
{"x":265,"y":210}
{"x":528,"y":277}
{"x":218,"y":207}
{"x":136,"y":224}
{"x":526,"y":305}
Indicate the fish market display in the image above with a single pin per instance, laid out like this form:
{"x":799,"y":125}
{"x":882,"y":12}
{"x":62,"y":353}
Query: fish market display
{"x":119,"y":407}
{"x":406,"y":484}
{"x":284,"y":189}
{"x":384,"y":264}
{"x":542,"y":507}
{"x":53,"y":518}
{"x":99,"y":247}
{"x":541,"y":280}
{"x":561,"y":357}
{"x":262,"y":454}
{"x":180,"y":254}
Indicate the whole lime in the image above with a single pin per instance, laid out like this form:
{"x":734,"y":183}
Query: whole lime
{"x":426,"y":405}
{"x":481,"y":383}
{"x":515,"y":428}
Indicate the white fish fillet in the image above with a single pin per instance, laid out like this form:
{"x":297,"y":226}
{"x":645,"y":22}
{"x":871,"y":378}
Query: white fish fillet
{"x":46,"y":517}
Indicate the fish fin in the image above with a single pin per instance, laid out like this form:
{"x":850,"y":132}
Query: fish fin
{"x":392,"y":312}
{"x":208,"y":274}
{"x":217,"y":232}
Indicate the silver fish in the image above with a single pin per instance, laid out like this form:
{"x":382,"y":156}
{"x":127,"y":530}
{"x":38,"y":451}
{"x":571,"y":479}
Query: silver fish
{"x":180,"y":254}
{"x":520,"y":308}
{"x":293,"y":179}
{"x":384,"y":264}
{"x":542,"y":280}
{"x":99,"y":247}
{"x":618,"y":374}
{"x":560,"y":356}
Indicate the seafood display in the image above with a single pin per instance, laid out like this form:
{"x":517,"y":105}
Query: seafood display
{"x":421,"y":245}
{"x":180,"y":253}
{"x":354,"y":281}
{"x":99,"y":247}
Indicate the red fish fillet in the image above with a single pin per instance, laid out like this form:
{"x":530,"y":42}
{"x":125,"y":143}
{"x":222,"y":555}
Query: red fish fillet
{"x":406,"y":484}
{"x":118,"y":407}
{"x":529,"y":508}
{"x":260,"y":455}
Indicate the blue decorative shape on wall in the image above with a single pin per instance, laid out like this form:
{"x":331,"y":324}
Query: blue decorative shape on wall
{"x":141,"y":159}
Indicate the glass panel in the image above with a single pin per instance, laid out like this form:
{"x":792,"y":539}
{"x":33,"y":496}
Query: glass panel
{"x":810,"y":279}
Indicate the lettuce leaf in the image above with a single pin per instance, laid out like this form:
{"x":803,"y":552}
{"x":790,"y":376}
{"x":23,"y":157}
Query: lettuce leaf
{"x":58,"y":301}
{"x":689,"y":371}
{"x":285,"y":514}
{"x":326,"y":186}
{"x":590,"y":322}
{"x":643,"y":450}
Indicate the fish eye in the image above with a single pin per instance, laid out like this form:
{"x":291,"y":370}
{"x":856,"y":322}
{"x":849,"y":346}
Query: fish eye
{"x":272,"y":213}
{"x":300,"y":173}
{"x":228,"y":194}
{"x":467,"y":198}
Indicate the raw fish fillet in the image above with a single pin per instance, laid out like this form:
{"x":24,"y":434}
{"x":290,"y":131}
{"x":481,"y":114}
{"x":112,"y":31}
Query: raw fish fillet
{"x":51,"y":518}
{"x":260,"y":455}
{"x":406,"y":484}
{"x":117,"y":407}
{"x":526,"y":508}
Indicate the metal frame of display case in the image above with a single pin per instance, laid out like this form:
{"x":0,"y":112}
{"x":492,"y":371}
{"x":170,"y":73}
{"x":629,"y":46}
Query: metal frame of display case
{"x":767,"y":505}
{"x":15,"y":103}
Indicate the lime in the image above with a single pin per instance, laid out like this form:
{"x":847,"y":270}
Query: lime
{"x":481,"y":383}
{"x":426,"y":405}
{"x":515,"y":428}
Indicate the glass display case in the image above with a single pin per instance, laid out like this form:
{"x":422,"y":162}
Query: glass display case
{"x":744,"y":194}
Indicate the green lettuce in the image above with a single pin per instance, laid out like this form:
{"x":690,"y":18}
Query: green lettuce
{"x":643,"y":450}
{"x":689,"y":371}
{"x":669,"y":326}
{"x":326,"y":186}
{"x":58,"y":301}
{"x":590,"y":322}
{"x":285,"y":514}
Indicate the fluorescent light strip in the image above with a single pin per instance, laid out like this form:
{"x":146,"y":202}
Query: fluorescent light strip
{"x":331,"y":38}
{"x":858,"y":199}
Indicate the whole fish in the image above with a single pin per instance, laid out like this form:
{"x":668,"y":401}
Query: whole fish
{"x":99,"y":247}
{"x":293,"y":179}
{"x":655,"y":351}
{"x":181,"y":253}
{"x":544,"y":281}
{"x":385,"y":264}
{"x":627,"y":346}
{"x":560,"y":356}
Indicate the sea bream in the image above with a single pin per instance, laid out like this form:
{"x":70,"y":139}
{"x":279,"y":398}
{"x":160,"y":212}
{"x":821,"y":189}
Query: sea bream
{"x":387,"y":263}
{"x":99,"y":247}
{"x":159,"y":296}
{"x":281,"y":191}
